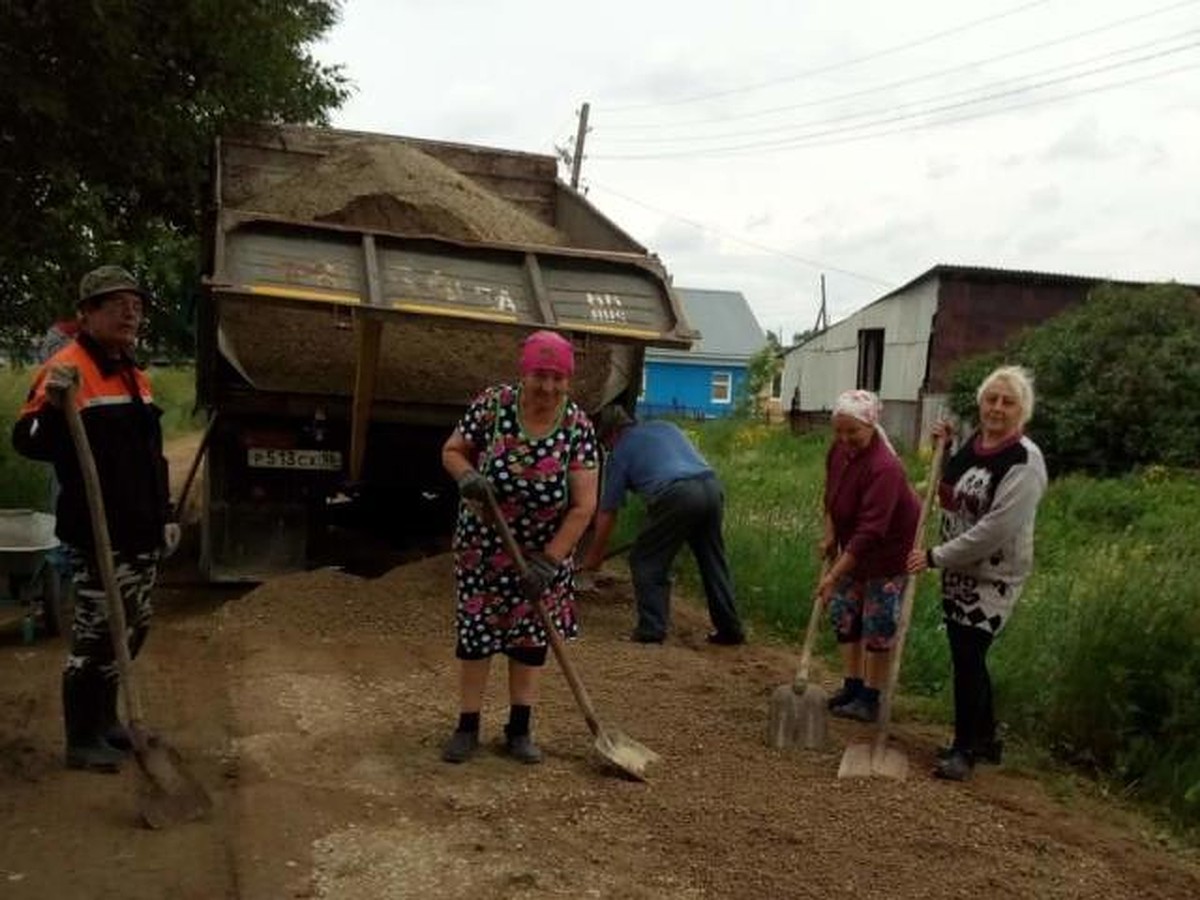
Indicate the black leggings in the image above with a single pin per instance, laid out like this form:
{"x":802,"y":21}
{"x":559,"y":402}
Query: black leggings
{"x":529,"y":656}
{"x":974,"y":717}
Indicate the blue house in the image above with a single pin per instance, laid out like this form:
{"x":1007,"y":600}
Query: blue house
{"x":707,"y":380}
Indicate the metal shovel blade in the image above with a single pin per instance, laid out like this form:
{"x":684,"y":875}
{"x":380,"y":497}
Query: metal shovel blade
{"x":624,"y":752}
{"x":169,"y":794}
{"x":864,"y":760}
{"x":798,"y":717}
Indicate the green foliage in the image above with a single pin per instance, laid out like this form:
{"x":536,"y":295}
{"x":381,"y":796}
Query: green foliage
{"x":110,"y":111}
{"x":761,"y":370}
{"x":1116,"y":379}
{"x":25,"y":483}
{"x":1099,"y":664}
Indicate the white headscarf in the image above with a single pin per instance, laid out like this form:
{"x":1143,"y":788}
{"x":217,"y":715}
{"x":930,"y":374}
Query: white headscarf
{"x":865,"y":407}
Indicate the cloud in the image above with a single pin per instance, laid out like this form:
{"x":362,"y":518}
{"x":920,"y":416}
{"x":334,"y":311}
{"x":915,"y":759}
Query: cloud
{"x":1082,"y":142}
{"x":1045,"y":199}
{"x":937,"y":169}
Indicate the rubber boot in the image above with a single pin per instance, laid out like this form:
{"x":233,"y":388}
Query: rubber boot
{"x":86,"y":747}
{"x":115,"y":733}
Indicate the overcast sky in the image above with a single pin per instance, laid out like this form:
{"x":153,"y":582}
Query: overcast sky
{"x":755,"y":145}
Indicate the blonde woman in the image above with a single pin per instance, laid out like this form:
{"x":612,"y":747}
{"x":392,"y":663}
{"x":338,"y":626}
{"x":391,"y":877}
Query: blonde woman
{"x":989,"y":493}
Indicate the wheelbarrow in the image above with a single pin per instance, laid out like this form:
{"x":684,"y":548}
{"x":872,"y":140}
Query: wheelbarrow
{"x":28,"y":576}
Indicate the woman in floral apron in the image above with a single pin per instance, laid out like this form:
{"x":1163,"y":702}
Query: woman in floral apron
{"x":534,"y":449}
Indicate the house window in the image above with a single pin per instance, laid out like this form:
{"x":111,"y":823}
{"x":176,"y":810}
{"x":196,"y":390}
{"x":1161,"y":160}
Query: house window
{"x":870,"y":359}
{"x":777,"y":386}
{"x":722,"y":387}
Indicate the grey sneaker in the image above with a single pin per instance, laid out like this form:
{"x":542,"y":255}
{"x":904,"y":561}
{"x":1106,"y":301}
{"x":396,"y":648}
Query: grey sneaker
{"x":859,"y":709}
{"x":522,"y":748}
{"x":95,"y":756}
{"x":461,"y":746}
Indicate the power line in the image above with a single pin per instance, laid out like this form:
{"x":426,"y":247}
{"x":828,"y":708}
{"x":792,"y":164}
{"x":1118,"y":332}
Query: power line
{"x":892,"y":107}
{"x":809,"y":140}
{"x":1117,"y":23}
{"x":834,"y":66}
{"x":741,"y":240}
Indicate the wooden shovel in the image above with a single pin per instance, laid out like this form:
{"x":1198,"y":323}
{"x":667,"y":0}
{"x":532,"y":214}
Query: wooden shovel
{"x":168,"y":794}
{"x":877,"y":758}
{"x":613,"y":745}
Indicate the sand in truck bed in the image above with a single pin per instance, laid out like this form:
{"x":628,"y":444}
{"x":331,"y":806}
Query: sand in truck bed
{"x":394,"y":187}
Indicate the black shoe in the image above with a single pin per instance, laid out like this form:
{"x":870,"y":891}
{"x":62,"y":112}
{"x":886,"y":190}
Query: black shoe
{"x":94,"y":756}
{"x":118,"y":737}
{"x":641,"y":637}
{"x":461,"y":746}
{"x":958,"y":766}
{"x":522,"y":748}
{"x":860,"y":709}
{"x":723,"y":639}
{"x":844,"y":695}
{"x":989,"y":753}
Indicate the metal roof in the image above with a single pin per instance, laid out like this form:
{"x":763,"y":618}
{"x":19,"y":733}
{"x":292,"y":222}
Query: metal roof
{"x":981,"y":273}
{"x":729,"y":332}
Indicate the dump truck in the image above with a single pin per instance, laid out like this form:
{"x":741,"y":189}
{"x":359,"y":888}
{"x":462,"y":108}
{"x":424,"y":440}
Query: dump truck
{"x":359,"y":290}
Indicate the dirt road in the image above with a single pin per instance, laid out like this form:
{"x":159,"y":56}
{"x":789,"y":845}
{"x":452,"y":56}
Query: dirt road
{"x":313,"y":709}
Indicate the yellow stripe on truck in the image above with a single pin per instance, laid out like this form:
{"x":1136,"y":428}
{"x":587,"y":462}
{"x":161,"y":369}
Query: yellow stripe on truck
{"x":623,"y":330}
{"x":317,"y":295}
{"x":456,"y":312}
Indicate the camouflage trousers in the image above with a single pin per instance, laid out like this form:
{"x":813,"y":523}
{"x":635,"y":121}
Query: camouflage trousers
{"x":92,"y":652}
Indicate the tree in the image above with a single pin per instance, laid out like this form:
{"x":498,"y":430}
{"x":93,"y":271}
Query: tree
{"x":111,"y":108}
{"x":1116,"y":379}
{"x":761,"y":370}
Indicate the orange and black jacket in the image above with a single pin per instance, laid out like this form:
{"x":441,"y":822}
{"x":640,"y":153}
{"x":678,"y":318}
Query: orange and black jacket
{"x":122,"y":423}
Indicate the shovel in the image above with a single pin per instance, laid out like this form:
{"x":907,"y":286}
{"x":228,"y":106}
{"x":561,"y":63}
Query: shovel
{"x":798,"y":715}
{"x":613,"y":745}
{"x":168,"y":794}
{"x":877,"y":758}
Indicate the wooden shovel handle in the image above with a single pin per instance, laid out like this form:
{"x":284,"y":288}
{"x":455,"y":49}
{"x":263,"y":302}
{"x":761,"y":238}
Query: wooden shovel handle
{"x":557,"y":644}
{"x":906,"y":604}
{"x":102,"y":549}
{"x":810,"y":633}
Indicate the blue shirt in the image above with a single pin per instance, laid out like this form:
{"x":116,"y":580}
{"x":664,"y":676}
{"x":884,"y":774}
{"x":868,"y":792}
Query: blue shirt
{"x":648,"y":457}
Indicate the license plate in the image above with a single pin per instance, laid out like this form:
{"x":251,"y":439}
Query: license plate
{"x":310,"y":460}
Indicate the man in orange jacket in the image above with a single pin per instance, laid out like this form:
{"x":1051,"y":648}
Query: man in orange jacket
{"x":116,"y":405}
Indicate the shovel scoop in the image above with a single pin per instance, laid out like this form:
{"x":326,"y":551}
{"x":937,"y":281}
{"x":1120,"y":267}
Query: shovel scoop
{"x":613,"y":745}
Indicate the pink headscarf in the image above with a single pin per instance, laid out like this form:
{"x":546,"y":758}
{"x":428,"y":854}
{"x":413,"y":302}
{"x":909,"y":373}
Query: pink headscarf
{"x":864,"y":406}
{"x":547,"y":350}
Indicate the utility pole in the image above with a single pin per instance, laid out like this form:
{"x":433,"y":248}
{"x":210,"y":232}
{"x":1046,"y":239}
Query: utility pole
{"x":580,"y":136}
{"x":823,"y":315}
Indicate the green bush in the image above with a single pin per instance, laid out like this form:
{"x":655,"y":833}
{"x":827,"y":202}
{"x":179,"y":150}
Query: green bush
{"x":1098,"y":665}
{"x":25,"y":483}
{"x":1116,"y":380}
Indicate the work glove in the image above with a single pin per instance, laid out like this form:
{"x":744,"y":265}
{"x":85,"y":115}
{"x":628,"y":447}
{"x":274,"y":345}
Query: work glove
{"x":540,"y":572}
{"x":171,"y":535}
{"x":58,"y":380}
{"x":474,"y":486}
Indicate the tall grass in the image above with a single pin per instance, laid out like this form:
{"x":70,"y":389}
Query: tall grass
{"x":1100,"y":664}
{"x":24,"y":483}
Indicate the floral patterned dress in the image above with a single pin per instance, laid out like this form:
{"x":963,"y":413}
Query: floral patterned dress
{"x":529,"y":478}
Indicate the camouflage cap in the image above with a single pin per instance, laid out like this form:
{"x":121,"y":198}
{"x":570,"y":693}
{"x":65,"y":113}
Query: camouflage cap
{"x":107,"y":280}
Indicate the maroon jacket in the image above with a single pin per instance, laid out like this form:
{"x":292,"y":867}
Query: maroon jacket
{"x":874,"y":510}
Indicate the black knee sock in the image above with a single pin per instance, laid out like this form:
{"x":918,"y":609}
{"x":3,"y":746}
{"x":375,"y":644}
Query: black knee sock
{"x":468,"y":721}
{"x":518,"y":720}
